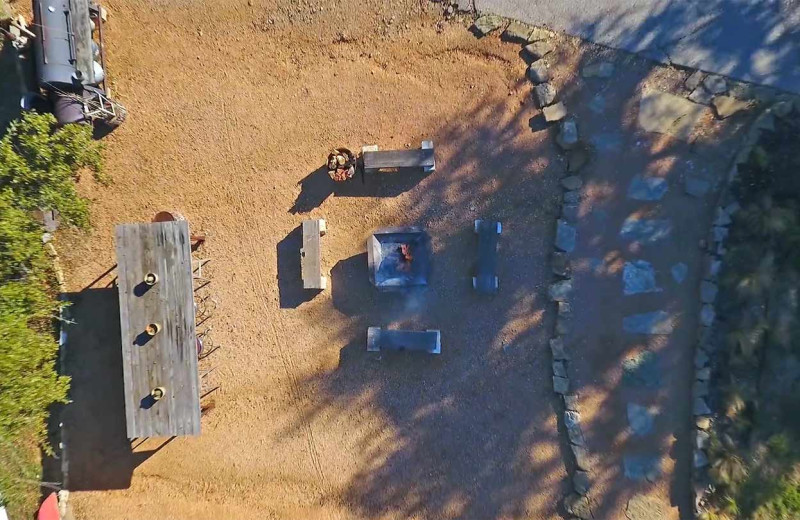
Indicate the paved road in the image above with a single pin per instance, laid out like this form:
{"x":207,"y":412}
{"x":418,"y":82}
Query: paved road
{"x":752,"y":40}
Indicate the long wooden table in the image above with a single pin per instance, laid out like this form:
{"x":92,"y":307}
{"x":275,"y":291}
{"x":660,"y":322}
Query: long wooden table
{"x":167,"y":360}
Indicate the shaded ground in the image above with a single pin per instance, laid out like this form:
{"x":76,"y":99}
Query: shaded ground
{"x":751,"y":40}
{"x":231,"y":133}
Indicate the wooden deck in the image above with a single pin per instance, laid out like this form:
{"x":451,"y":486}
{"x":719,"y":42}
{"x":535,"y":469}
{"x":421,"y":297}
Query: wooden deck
{"x":168,"y":359}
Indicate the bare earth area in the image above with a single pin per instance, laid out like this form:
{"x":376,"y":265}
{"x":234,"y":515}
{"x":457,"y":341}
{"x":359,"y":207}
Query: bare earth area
{"x":233,"y":109}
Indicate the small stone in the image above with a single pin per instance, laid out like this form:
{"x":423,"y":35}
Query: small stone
{"x":537,"y":50}
{"x":571,"y":402}
{"x":538,"y":34}
{"x":577,"y":158}
{"x":713,"y":267}
{"x":538,"y":73}
{"x":693,"y":80}
{"x":679,"y":272}
{"x":559,"y":369}
{"x":46,"y":237}
{"x":580,"y":482}
{"x":726,"y":106}
{"x":723,"y":218}
{"x":700,"y":389}
{"x":560,"y":385}
{"x":560,"y":291}
{"x":701,"y":96}
{"x":572,"y":421}
{"x":597,"y":104}
{"x":707,"y":315}
{"x":560,"y":264}
{"x":567,"y":136}
{"x":558,"y":350}
{"x":570,"y":212}
{"x":701,"y":439}
{"x":703,"y":423}
{"x":578,"y":506}
{"x":720,"y":233}
{"x":572,"y":197}
{"x":517,"y":32}
{"x":704,"y":374}
{"x":701,"y":407}
{"x":700,"y":459}
{"x":708,"y":291}
{"x":564,"y":310}
{"x":695,"y":186}
{"x":555,"y":112}
{"x":581,"y":455}
{"x":715,"y":84}
{"x":565,"y":236}
{"x":488,"y":23}
{"x":573,"y":182}
{"x":563,"y":326}
{"x":640,"y":419}
{"x":544,"y":94}
{"x":639,"y":277}
{"x":602,"y":69}
{"x":701,"y":359}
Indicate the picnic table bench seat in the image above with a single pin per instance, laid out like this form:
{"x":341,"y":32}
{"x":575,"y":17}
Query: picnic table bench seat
{"x":376,"y":160}
{"x":310,"y":255}
{"x":485,"y":279}
{"x":420,"y":341}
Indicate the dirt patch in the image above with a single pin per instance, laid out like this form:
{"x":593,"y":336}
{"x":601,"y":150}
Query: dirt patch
{"x":233,"y":109}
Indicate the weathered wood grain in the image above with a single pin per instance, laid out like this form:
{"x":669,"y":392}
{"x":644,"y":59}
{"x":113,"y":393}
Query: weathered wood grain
{"x":311,"y":256}
{"x":421,"y":158}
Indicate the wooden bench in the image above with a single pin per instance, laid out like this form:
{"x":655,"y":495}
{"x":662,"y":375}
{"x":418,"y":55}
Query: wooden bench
{"x":485,"y":279}
{"x":418,"y":341}
{"x":310,"y":255}
{"x":376,"y":160}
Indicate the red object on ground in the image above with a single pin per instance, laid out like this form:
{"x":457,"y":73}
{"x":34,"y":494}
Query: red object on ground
{"x":49,"y":509}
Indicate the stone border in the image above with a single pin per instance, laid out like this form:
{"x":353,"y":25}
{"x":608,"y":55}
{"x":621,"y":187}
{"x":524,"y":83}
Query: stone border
{"x":703,"y":416}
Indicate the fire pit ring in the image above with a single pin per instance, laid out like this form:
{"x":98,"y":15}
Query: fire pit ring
{"x":399,"y":258}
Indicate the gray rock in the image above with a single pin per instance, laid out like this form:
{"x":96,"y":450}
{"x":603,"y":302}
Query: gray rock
{"x":559,"y":369}
{"x":560,"y":265}
{"x":578,"y":157}
{"x":555,"y":112}
{"x":641,"y":467}
{"x":572,"y":197}
{"x":578,"y":506}
{"x":668,"y":114}
{"x":712,"y":267}
{"x":571,"y":402}
{"x":565,"y":236}
{"x":601,"y":69}
{"x":647,"y":231}
{"x":722,"y":218}
{"x":707,"y":315}
{"x":715,"y":84}
{"x":695,"y":186}
{"x":560,"y":291}
{"x":538,"y":72}
{"x":488,"y":23}
{"x":572,"y":421}
{"x":657,"y":323}
{"x":573,"y":182}
{"x":700,"y":459}
{"x":463,"y":6}
{"x":558,"y":350}
{"x":642,"y":370}
{"x":567,"y":137}
{"x":704,"y":374}
{"x":581,"y":455}
{"x":732,"y":208}
{"x":703,"y":423}
{"x":726,"y":106}
{"x":563,"y":326}
{"x":647,"y":188}
{"x":560,"y":385}
{"x":639,"y":277}
{"x":679,"y":272}
{"x":597,"y":104}
{"x":766,"y":121}
{"x":693,"y":80}
{"x":640,"y":419}
{"x":700,"y":389}
{"x":720,"y":233}
{"x":701,"y":96}
{"x":564,"y":310}
{"x":701,"y":439}
{"x":544,"y":94}
{"x":580,"y":482}
{"x":570,"y":213}
{"x":701,"y":359}
{"x":517,"y":32}
{"x":708,"y":291}
{"x":538,"y":34}
{"x":701,"y":407}
{"x":537,"y":50}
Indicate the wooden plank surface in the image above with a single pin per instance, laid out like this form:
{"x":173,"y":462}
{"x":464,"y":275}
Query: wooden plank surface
{"x":412,"y":340}
{"x":82,"y":31}
{"x":169,"y":359}
{"x":420,"y":158}
{"x":311,"y":256}
{"x":488,"y":239}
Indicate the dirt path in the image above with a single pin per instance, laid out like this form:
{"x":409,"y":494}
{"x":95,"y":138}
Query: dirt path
{"x":233,"y":109}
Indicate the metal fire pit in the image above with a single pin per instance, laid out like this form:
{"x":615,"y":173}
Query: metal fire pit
{"x":398,"y":258}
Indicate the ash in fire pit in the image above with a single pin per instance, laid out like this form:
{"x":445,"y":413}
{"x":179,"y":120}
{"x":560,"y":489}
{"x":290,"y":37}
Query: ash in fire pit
{"x":398,"y":258}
